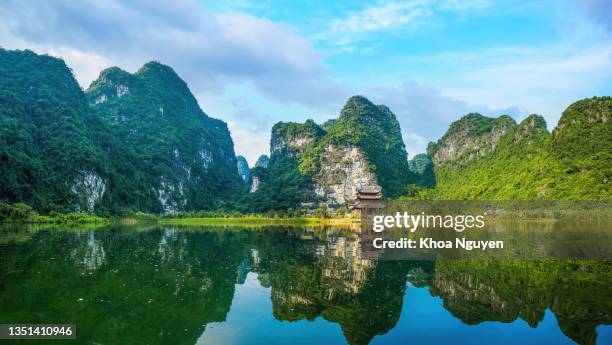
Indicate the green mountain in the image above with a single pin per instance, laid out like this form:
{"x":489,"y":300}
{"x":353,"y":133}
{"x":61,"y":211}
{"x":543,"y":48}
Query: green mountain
{"x":486,"y":158}
{"x":362,"y":147}
{"x":172,"y":156}
{"x":422,"y":166}
{"x":48,"y":154}
{"x":243,"y":168}
{"x":262,"y":161}
{"x":135,"y":142}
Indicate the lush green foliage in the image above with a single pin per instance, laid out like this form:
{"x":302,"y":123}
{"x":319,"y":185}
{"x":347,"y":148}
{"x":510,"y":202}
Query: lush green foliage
{"x":262,"y":162}
{"x":374,"y":130}
{"x":22,"y":213}
{"x":281,"y":186}
{"x":46,"y":131}
{"x":243,"y":168}
{"x":528,"y":163}
{"x":142,"y":136}
{"x":422,"y":166}
{"x":163,"y":142}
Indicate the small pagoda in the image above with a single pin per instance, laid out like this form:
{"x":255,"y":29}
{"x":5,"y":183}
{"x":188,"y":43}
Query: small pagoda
{"x":368,"y":201}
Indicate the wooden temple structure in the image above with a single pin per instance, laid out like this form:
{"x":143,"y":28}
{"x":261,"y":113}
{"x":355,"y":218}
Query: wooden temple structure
{"x":368,"y":201}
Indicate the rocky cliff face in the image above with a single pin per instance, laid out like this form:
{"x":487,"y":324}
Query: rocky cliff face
{"x":293,"y":139}
{"x":89,"y":187}
{"x":344,"y":170}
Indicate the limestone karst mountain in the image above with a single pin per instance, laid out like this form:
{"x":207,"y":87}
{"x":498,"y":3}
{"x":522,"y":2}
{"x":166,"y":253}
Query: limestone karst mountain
{"x":487,"y":158}
{"x":135,"y":142}
{"x":243,"y":168}
{"x":49,"y":157}
{"x":330,"y":163}
{"x":179,"y":158}
{"x":262,"y":162}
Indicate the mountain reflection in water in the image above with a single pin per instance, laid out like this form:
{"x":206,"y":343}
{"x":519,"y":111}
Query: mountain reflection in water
{"x":191,"y":285}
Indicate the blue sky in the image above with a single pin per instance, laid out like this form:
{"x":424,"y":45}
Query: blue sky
{"x":253,"y":63}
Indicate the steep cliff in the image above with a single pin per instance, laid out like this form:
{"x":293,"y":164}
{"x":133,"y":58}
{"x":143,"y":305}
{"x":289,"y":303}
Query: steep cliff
{"x":177,"y":158}
{"x":362,"y":147}
{"x":471,"y":137}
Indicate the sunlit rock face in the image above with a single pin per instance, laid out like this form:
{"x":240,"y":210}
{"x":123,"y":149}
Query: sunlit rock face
{"x":254,"y":184}
{"x":344,"y":170}
{"x":293,"y":139}
{"x":89,"y":188}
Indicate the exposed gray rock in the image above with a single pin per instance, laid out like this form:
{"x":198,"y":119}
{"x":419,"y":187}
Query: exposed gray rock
{"x":89,"y":187}
{"x":344,"y":172}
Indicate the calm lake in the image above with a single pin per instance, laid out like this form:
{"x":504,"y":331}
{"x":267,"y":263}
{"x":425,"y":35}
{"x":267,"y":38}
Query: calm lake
{"x":196,"y":285}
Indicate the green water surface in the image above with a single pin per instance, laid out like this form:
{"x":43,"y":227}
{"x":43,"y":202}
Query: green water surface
{"x":194,"y":285}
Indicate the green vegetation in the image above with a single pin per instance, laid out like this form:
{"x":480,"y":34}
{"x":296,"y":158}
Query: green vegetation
{"x":301,"y":151}
{"x":376,"y":132}
{"x":133,"y":142}
{"x":527,"y":162}
{"x":46,"y":132}
{"x":22,"y":213}
{"x":262,"y":162}
{"x":243,"y":168}
{"x":140,"y":143}
{"x":169,"y":154}
{"x":504,"y":290}
{"x":282,"y":187}
{"x":242,"y":221}
{"x":422,"y":166}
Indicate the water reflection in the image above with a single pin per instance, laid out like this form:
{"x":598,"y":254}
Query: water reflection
{"x":167,"y":285}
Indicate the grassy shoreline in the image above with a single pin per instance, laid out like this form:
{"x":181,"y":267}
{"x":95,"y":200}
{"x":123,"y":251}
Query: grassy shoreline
{"x":242,"y":221}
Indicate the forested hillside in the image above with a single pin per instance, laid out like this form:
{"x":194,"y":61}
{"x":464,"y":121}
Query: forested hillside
{"x":140,"y":142}
{"x":329,"y":163}
{"x":485,"y":158}
{"x":132,"y":142}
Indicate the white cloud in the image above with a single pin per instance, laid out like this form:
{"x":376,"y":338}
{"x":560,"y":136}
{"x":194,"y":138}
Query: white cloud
{"x":392,"y":15}
{"x":544,"y":80}
{"x":209,"y":50}
{"x":385,"y":16}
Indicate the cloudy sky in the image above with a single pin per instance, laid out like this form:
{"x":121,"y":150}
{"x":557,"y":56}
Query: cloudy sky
{"x":253,"y":63}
